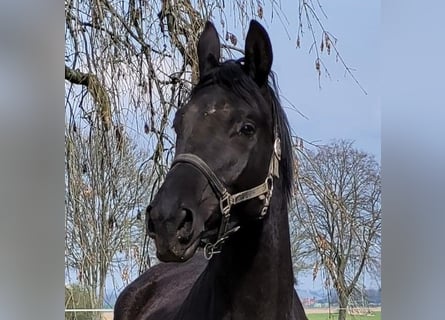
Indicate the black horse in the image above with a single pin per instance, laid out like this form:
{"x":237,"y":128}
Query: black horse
{"x":227,"y":191}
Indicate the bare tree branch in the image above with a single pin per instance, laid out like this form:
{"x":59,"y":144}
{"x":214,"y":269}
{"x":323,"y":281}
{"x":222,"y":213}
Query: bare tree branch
{"x":97,"y":91}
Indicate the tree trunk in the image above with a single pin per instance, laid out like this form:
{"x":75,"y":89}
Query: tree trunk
{"x":342,"y":305}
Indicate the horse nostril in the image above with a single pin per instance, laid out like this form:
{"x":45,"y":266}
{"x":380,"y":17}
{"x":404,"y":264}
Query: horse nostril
{"x":184,"y":232}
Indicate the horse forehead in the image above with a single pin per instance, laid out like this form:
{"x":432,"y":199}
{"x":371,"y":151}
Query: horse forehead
{"x":219,"y":102}
{"x":210,"y":106}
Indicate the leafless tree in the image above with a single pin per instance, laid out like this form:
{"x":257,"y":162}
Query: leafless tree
{"x":338,"y":205}
{"x":106,"y":192}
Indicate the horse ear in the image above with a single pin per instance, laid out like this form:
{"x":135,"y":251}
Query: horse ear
{"x":208,"y":49}
{"x":258,"y":53}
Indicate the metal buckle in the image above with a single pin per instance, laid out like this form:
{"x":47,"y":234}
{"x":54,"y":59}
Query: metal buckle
{"x":267,"y":196}
{"x":225,"y":204}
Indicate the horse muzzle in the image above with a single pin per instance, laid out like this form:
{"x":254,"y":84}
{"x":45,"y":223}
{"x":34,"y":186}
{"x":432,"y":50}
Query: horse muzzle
{"x":176,"y":238}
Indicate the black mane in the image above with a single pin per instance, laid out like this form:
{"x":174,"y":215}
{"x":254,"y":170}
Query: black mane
{"x":230,"y":74}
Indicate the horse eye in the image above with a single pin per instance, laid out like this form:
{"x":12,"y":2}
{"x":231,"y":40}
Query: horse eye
{"x":247,"y":129}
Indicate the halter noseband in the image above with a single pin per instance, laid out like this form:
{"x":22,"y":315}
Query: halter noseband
{"x":227,"y":200}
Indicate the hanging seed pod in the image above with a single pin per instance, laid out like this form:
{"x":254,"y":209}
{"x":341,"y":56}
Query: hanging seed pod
{"x":327,"y":43}
{"x":315,"y":271}
{"x":119,"y":138}
{"x":260,"y":12}
{"x":233,"y":39}
{"x":111,"y":222}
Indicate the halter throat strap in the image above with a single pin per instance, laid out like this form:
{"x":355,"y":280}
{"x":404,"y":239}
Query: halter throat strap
{"x":227,"y":200}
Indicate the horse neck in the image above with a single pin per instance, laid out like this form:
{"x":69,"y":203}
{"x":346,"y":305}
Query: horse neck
{"x":254,"y":269}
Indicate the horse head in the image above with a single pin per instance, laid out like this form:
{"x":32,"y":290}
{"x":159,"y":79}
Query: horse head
{"x":227,"y":151}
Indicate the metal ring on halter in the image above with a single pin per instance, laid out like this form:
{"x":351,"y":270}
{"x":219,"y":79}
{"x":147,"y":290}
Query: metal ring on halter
{"x":211,"y":248}
{"x":209,"y":251}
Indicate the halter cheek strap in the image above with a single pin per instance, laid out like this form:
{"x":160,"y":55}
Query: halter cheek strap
{"x":227,"y":200}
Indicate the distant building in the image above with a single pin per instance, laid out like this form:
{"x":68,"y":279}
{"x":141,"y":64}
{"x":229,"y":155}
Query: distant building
{"x":308,"y":302}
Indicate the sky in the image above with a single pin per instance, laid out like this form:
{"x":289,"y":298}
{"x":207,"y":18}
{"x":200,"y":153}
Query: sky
{"x":339,"y":109}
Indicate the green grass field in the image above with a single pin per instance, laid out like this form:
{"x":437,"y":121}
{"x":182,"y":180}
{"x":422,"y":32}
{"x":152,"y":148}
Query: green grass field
{"x":325,"y":316}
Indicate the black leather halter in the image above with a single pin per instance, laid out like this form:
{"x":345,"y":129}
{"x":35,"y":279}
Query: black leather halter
{"x":227,"y":200}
